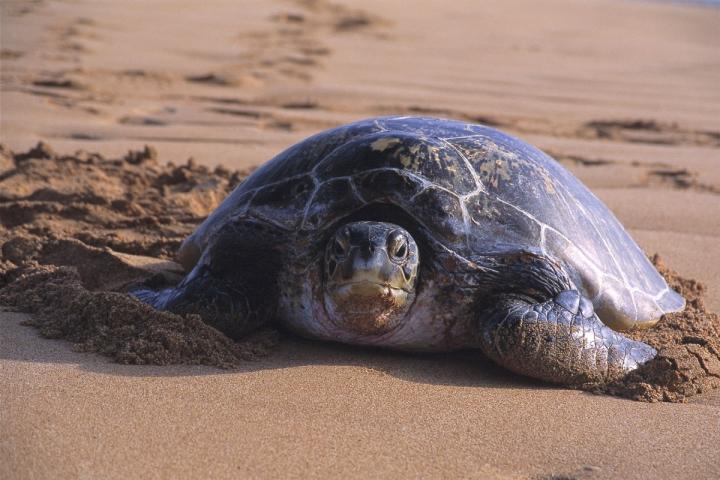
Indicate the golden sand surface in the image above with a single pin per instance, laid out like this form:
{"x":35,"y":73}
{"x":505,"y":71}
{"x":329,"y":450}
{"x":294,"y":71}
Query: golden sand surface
{"x":623,"y":93}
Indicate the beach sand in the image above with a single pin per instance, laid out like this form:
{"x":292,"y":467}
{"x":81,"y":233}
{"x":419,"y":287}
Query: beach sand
{"x":623,"y":93}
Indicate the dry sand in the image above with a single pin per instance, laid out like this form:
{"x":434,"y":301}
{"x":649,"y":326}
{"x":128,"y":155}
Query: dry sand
{"x":624,"y":93}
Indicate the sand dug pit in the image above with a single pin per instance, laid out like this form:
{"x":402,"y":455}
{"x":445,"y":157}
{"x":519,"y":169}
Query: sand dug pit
{"x":78,"y":229}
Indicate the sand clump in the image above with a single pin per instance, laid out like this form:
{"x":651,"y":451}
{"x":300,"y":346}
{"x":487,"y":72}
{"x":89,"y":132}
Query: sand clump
{"x":688,"y":344}
{"x":80,"y":229}
{"x":118,"y":326}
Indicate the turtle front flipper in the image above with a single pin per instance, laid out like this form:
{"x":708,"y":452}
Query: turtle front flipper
{"x":561,"y":340}
{"x":220,"y":303}
{"x":233,"y":286}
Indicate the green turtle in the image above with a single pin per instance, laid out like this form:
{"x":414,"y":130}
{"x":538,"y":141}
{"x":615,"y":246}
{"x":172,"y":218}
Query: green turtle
{"x":426,"y":234}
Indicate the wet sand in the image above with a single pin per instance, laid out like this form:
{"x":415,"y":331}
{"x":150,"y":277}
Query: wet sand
{"x":631,"y":108}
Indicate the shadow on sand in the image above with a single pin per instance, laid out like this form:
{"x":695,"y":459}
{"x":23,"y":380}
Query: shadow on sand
{"x":464,"y":368}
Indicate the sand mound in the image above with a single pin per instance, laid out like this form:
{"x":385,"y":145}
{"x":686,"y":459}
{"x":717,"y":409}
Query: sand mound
{"x":688,"y":344}
{"x":79,"y":229}
{"x":119,"y":326}
{"x":132,"y":205}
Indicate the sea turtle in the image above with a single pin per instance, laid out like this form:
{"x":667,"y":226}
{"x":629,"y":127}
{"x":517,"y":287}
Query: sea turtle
{"x":426,"y":234}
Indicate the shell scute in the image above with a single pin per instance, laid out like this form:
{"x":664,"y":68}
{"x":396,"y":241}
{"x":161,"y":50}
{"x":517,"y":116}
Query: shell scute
{"x":430,"y":159}
{"x":429,"y":127}
{"x":497,"y":223}
{"x":302,"y":157}
{"x":442,"y":212}
{"x":331,"y":201}
{"x":282,"y":202}
{"x":389,"y":185}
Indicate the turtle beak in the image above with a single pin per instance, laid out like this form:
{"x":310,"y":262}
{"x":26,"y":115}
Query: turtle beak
{"x":366,"y":264}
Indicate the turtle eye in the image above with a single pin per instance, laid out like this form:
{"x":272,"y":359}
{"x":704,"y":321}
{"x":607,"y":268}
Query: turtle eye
{"x":398,"y":246}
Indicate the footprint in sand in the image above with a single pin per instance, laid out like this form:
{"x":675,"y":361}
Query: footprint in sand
{"x":141,"y":121}
{"x":6,"y":54}
{"x":656,"y":174}
{"x":647,"y":131}
{"x":226,"y":79}
{"x":59,"y":82}
{"x":292,"y":49}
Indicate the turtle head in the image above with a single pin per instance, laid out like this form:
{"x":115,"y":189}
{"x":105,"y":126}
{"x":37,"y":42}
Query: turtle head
{"x":370,"y":276}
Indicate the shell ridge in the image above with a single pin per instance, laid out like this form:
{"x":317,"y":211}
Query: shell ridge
{"x":479,"y":187}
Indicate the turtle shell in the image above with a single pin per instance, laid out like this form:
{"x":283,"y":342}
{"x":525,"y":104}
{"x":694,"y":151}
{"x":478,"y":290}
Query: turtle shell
{"x":473,"y":189}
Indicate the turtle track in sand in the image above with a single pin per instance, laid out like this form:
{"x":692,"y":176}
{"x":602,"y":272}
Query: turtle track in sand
{"x":78,"y":229}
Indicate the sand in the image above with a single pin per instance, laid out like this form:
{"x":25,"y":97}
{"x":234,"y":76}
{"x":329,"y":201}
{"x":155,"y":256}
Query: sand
{"x":631,"y":108}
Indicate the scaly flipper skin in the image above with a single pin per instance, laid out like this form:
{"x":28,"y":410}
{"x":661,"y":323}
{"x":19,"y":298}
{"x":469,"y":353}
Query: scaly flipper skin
{"x":561,"y":341}
{"x":219,"y":303}
{"x":233,"y":286}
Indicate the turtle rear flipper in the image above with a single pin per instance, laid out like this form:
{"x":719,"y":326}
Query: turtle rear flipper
{"x":561,"y":340}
